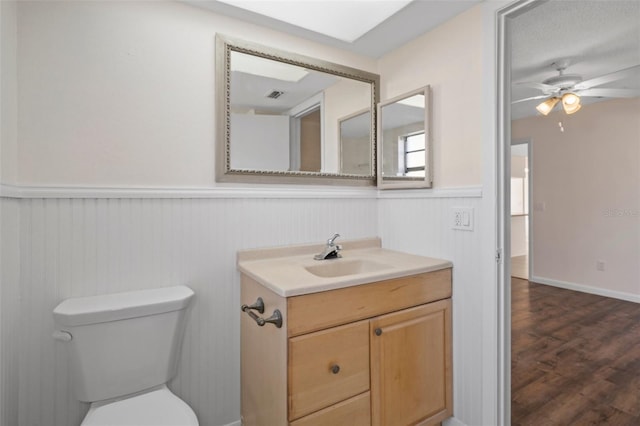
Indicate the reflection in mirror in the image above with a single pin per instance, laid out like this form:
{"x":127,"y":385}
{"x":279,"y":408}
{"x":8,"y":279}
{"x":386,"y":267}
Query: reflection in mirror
{"x":283,"y":116}
{"x":404,"y":141}
{"x":355,"y":149}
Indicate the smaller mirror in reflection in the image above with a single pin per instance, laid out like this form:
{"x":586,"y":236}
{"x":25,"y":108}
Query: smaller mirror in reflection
{"x":404,"y":141}
{"x":355,"y":143}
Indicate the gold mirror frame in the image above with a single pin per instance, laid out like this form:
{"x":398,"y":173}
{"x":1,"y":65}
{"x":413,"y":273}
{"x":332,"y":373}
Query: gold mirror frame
{"x":224,"y":172}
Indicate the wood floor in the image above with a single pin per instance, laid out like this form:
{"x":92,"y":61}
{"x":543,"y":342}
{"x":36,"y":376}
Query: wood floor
{"x":575,"y":358}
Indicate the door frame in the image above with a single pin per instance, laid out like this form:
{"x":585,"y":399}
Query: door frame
{"x":503,"y":199}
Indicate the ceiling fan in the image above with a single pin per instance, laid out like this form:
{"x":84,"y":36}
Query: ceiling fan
{"x":569,"y":88}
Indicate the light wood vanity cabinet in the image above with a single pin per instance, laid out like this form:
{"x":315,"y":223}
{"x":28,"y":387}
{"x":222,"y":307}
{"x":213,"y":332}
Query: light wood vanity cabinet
{"x":371,"y":354}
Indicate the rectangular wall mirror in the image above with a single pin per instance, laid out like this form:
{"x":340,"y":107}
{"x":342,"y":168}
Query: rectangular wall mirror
{"x":288,"y":118}
{"x":404,"y":141}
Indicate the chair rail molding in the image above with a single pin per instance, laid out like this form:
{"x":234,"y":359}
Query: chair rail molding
{"x":275,"y":192}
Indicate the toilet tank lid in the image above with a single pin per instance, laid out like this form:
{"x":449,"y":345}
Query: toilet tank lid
{"x":119,"y":306}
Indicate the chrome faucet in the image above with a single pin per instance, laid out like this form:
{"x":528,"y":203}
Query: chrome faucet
{"x":330,"y":251}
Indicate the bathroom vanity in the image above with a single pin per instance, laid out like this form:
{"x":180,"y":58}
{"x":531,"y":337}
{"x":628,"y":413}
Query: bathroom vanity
{"x":360,"y":340}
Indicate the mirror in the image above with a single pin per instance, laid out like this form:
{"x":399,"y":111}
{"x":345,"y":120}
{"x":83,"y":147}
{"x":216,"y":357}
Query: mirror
{"x":404,"y":141}
{"x":288,"y":118}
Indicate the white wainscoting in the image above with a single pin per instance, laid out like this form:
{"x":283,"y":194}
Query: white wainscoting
{"x":78,"y":247}
{"x":72,"y":247}
{"x":10,"y":326}
{"x":423,"y":226}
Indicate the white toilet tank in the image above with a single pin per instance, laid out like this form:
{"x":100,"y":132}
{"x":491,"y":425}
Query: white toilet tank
{"x":123,"y":343}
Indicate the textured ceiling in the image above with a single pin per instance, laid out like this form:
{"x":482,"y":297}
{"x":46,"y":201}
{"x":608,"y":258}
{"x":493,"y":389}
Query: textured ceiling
{"x":596,"y":37}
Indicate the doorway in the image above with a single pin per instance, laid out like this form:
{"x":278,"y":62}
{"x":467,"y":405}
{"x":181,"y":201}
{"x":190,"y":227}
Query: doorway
{"x":586,"y":328}
{"x":521,"y":184}
{"x":310,"y":141}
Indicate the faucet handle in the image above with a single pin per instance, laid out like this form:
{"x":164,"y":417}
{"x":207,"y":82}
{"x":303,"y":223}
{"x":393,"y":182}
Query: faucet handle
{"x":332,"y":239}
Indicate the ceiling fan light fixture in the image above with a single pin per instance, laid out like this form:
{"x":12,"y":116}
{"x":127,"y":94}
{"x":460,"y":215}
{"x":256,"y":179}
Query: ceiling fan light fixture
{"x":545,"y":107}
{"x":571,"y":103}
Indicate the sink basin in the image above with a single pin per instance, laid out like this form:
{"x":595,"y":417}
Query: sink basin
{"x":291,"y":271}
{"x":340,"y":268}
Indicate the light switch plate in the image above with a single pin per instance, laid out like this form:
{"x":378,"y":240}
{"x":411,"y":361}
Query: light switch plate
{"x":462,"y":218}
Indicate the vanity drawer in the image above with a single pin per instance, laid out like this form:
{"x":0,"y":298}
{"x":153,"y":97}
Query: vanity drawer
{"x":317,"y":311}
{"x":327,"y":367}
{"x":355,"y":411}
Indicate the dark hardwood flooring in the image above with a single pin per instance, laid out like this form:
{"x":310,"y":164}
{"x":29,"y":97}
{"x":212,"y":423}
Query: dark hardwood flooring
{"x":575,"y":358}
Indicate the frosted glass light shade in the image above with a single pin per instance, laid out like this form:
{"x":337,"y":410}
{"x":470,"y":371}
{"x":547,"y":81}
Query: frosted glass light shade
{"x":571,"y":103}
{"x":545,"y":107}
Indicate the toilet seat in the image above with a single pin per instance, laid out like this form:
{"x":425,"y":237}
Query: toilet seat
{"x":156,"y":408}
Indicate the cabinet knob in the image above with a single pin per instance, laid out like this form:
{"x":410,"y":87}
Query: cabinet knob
{"x":378,"y":331}
{"x":335,"y":368}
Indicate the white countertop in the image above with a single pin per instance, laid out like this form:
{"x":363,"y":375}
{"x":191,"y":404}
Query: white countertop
{"x":283,"y":270}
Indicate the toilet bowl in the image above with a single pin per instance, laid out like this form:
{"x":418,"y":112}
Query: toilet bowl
{"x":123,"y":350}
{"x":158,"y":407}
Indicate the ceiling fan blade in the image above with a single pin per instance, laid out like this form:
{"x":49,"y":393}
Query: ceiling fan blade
{"x":607,"y":78}
{"x":610,"y":93}
{"x":547,"y":88}
{"x":529,"y":99}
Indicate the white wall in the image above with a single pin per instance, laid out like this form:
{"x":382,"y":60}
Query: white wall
{"x":519,"y":241}
{"x":122,"y":93}
{"x":449,"y":58}
{"x":588,"y":178}
{"x":133,"y":91}
{"x":9,"y":223}
{"x":340,"y":100}
{"x":260,"y":142}
{"x":519,"y":224}
{"x":8,"y":90}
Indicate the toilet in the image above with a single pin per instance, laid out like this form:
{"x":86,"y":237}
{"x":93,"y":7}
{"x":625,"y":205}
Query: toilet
{"x":123,"y":350}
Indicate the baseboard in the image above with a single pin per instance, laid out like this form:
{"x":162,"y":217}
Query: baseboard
{"x":629,"y":297}
{"x":452,"y":421}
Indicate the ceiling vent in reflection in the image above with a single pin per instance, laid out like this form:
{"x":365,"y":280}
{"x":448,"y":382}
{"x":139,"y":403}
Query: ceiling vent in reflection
{"x":275,"y":94}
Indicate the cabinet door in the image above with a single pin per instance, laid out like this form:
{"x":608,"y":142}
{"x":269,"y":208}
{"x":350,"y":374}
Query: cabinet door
{"x":411,"y":366}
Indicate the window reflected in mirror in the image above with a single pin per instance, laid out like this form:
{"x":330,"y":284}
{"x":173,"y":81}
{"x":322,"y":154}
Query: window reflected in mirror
{"x":404,"y":141}
{"x":412,"y":161}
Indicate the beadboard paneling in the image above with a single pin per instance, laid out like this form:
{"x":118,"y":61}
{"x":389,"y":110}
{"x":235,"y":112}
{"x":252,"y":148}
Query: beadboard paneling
{"x":9,"y":310}
{"x":77,"y":247}
{"x":423,"y":226}
{"x":80,"y":247}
